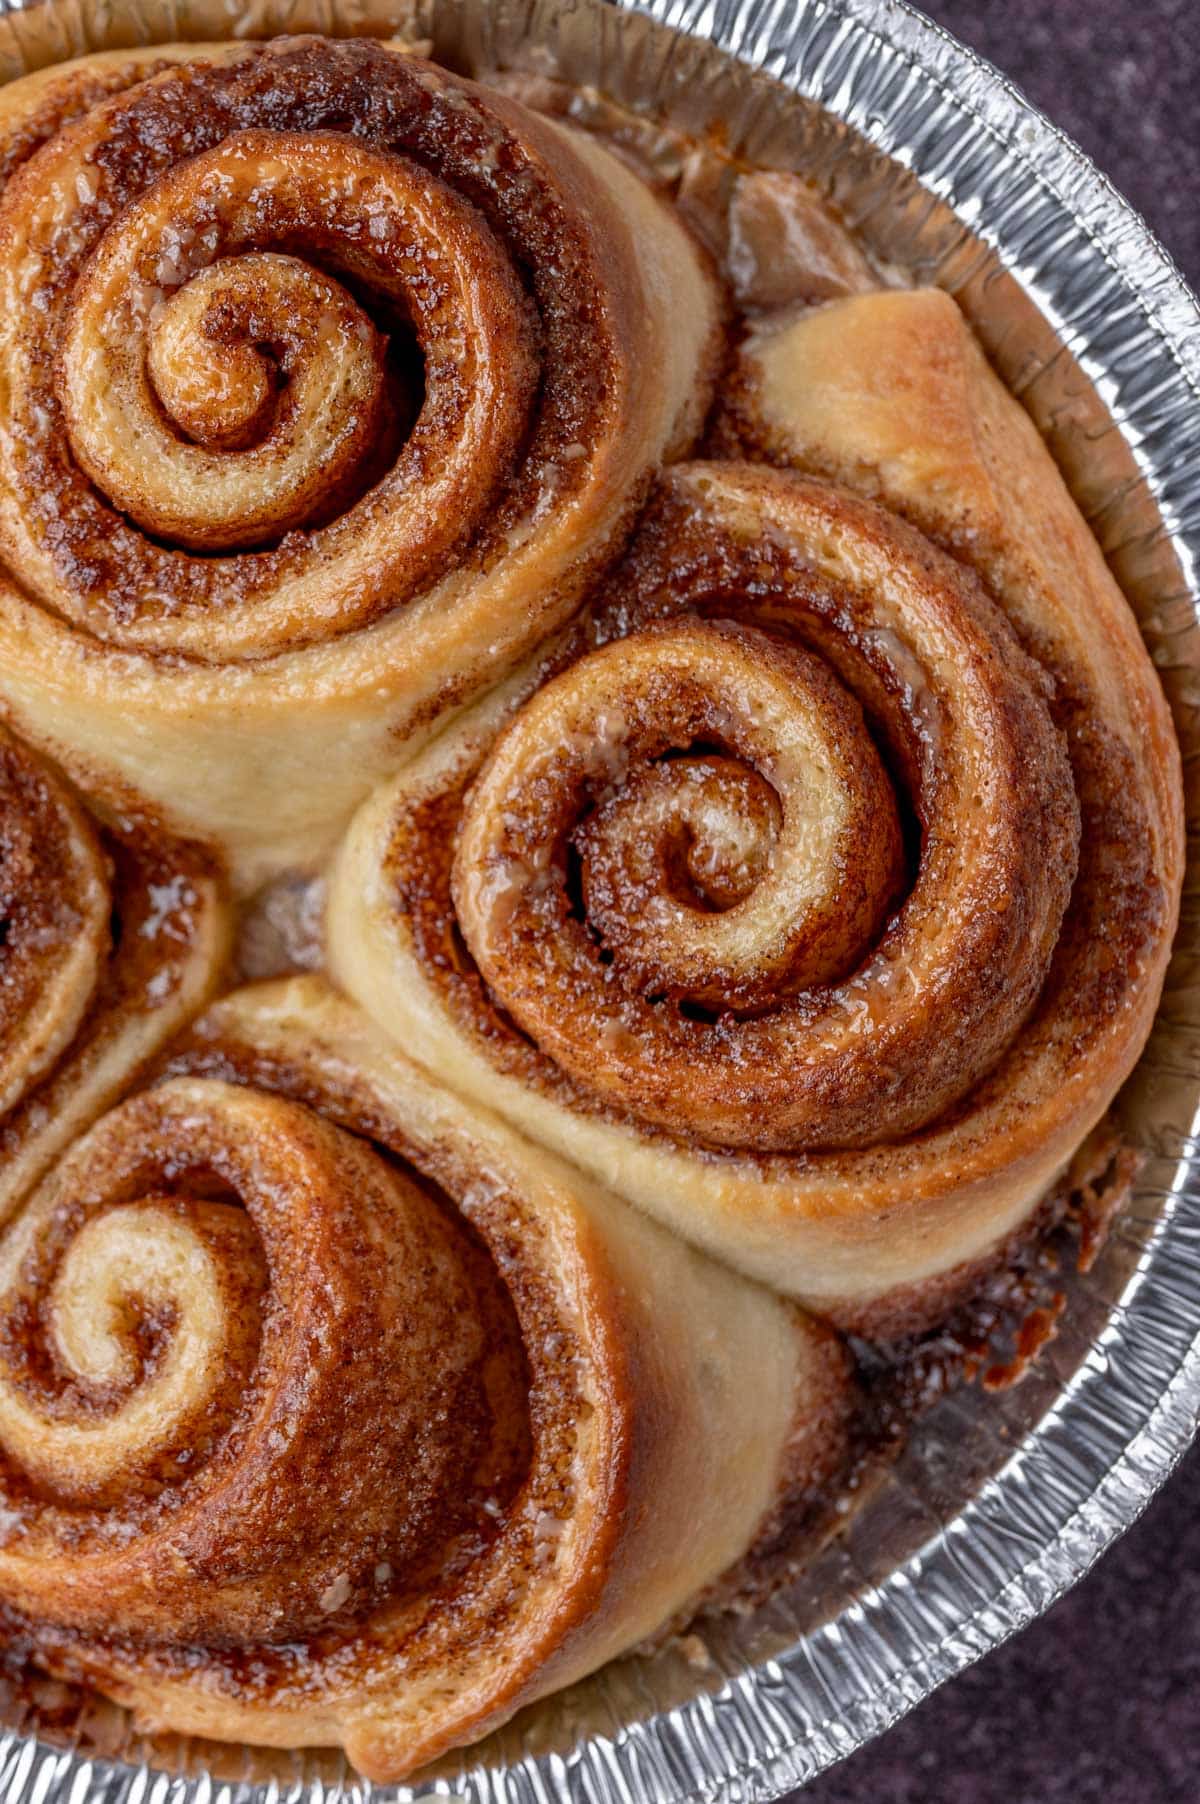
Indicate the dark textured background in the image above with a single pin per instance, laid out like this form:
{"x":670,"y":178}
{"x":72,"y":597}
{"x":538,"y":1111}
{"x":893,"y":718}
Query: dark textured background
{"x":1098,"y":1702}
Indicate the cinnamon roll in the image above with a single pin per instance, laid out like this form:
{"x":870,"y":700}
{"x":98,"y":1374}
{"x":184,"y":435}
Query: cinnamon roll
{"x":821,"y":908}
{"x":110,"y":939}
{"x":330,"y":380}
{"x":333,"y":1412}
{"x":748,"y":881}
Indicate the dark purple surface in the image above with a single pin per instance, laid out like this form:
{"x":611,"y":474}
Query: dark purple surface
{"x":1098,"y":1702}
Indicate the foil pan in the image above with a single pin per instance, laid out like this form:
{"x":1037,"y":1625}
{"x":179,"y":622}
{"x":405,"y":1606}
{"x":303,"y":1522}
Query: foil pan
{"x":1001,"y":1501}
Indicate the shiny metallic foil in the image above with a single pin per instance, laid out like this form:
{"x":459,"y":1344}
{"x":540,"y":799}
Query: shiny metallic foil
{"x":1001,"y":1501}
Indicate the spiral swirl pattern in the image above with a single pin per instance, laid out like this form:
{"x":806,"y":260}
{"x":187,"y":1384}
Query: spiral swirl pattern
{"x":192,"y":1433}
{"x":793,"y":1058}
{"x":330,"y":1411}
{"x":295,"y":372}
{"x":793,"y":808}
{"x":786,"y":844}
{"x":313,"y":421}
{"x":771,"y":910}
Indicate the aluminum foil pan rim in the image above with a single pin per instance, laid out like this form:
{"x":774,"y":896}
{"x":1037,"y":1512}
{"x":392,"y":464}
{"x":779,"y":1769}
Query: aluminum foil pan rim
{"x":1113,"y":1423}
{"x":766,"y":34}
{"x":763,"y":33}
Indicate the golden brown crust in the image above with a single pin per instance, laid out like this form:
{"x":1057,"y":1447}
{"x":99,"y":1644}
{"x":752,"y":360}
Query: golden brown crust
{"x":998,"y":1011}
{"x":332,"y":1411}
{"x":809,"y":1036}
{"x":891,"y":393}
{"x":37,"y":108}
{"x":453,"y":348}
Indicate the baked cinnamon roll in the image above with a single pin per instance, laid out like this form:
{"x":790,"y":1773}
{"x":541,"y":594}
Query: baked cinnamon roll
{"x":110,"y":940}
{"x":748,"y":880}
{"x":822,"y":907}
{"x":330,"y":380}
{"x":333,"y":1412}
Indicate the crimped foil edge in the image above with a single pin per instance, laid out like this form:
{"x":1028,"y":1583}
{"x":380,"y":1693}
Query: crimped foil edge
{"x":1114,"y":1403}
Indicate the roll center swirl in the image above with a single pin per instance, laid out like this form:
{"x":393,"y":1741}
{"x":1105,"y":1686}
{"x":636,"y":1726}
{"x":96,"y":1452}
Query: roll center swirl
{"x":686,"y":850}
{"x":253,"y":335}
{"x":723,"y":878}
{"x":241,"y":1369}
{"x":222,"y":388}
